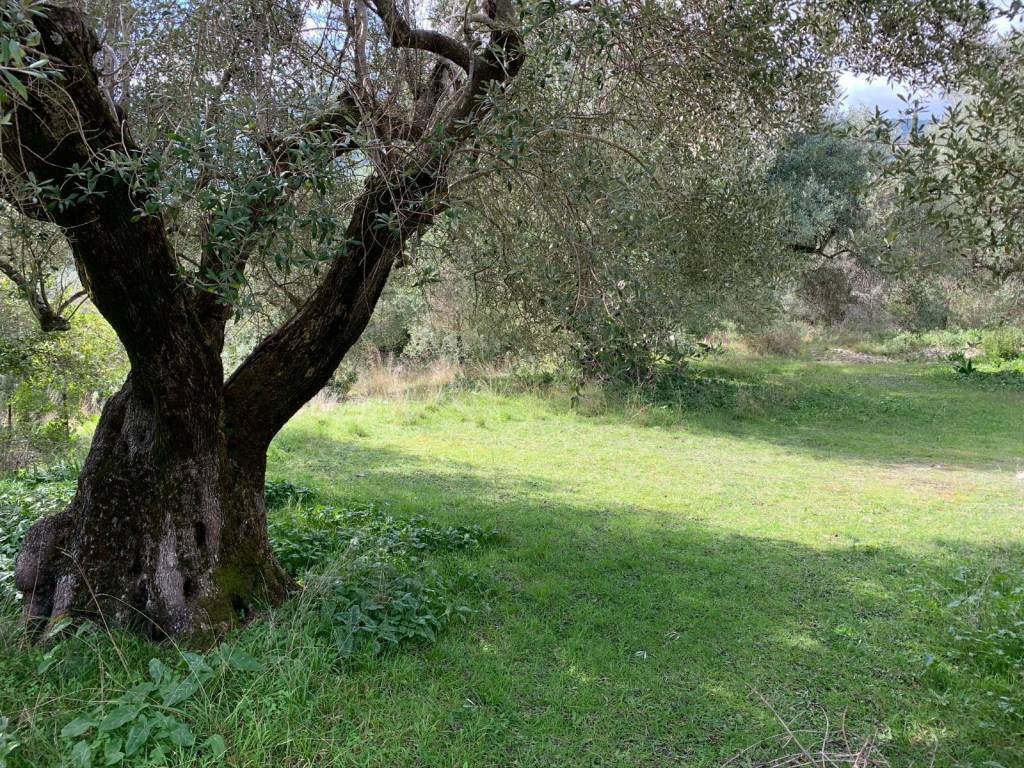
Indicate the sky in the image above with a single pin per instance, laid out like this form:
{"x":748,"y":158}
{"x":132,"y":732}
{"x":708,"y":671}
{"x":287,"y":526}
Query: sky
{"x":863,"y":92}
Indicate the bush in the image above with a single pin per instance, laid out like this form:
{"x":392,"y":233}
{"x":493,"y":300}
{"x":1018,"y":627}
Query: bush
{"x":304,"y":538}
{"x":281,"y":493}
{"x":368,"y":603}
{"x":827,"y":292}
{"x":785,"y":340}
{"x":1002,"y":344}
{"x":936,"y":344}
{"x":919,"y":307}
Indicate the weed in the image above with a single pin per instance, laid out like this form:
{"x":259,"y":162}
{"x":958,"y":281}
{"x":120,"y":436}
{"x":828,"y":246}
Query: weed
{"x":144,"y":725}
{"x":962,"y":364}
{"x":987,"y":633}
{"x":1003,"y":344}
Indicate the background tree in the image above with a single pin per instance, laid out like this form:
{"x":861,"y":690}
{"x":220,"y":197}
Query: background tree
{"x":964,"y":167}
{"x":868,"y":252}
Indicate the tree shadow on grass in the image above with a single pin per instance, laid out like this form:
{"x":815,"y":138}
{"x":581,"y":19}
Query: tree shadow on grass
{"x":627,"y":636}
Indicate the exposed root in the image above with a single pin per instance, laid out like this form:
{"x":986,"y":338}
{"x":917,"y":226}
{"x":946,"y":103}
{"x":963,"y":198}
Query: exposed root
{"x":148,"y":586}
{"x":35,"y":571}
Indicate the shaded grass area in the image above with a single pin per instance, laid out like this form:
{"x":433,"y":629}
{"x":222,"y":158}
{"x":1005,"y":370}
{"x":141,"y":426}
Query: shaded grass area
{"x":789,"y":533}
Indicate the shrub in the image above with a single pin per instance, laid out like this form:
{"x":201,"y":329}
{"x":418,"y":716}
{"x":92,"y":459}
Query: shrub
{"x":919,"y":307}
{"x":827,"y":292}
{"x":365,"y":602}
{"x":49,"y":381}
{"x":941,"y":343}
{"x":962,"y":364}
{"x":785,"y":340}
{"x":1002,"y":344}
{"x":280,"y":493}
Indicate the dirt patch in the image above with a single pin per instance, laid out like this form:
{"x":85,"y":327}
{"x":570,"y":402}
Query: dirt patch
{"x":839,"y":355}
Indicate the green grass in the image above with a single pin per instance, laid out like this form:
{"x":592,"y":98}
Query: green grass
{"x":671,"y":576}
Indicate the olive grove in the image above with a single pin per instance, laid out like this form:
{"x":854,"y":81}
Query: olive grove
{"x":184,"y":165}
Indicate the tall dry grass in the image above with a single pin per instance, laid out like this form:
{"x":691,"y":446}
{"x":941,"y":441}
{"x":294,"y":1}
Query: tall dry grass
{"x":382,"y":377}
{"x":388,"y":379}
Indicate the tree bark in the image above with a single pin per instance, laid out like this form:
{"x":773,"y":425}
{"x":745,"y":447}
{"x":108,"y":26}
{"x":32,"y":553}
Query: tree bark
{"x":167,"y":530}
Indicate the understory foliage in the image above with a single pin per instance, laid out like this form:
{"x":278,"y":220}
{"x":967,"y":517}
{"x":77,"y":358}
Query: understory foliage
{"x":367,"y":583}
{"x":51,"y":382}
{"x":986,"y":639}
{"x":24,"y":498}
{"x":368,"y":586}
{"x":143,"y":725}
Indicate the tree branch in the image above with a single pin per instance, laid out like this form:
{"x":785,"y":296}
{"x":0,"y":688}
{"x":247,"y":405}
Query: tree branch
{"x":49,"y":320}
{"x":403,"y":35}
{"x":68,"y":139}
{"x":338,"y":126}
{"x":296,"y":361}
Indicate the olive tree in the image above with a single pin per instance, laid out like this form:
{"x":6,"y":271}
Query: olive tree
{"x":964,"y":168}
{"x":169,"y":521}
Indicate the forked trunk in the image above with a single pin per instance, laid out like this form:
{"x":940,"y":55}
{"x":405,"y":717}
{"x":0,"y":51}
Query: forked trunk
{"x":166,"y":533}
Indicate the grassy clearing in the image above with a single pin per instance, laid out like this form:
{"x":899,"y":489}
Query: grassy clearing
{"x":805,"y":541}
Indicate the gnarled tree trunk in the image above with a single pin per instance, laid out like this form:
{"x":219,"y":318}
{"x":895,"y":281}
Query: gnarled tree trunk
{"x":167,"y":531}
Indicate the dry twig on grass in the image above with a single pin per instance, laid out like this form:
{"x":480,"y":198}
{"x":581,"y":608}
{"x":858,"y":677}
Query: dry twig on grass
{"x":804,"y":748}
